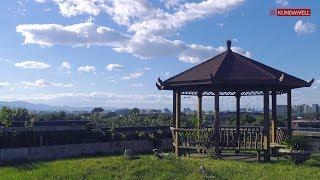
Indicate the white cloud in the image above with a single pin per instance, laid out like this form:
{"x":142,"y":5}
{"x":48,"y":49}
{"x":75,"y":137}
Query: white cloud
{"x":149,"y":24}
{"x":282,"y":2}
{"x":77,"y":7}
{"x":4,"y":84}
{"x":44,"y":83}
{"x":65,"y":66}
{"x":173,"y":4}
{"x":114,"y":67}
{"x":87,"y":69}
{"x":32,"y":65}
{"x":112,"y":81}
{"x":147,"y":17}
{"x":6,"y":60}
{"x":133,"y":76}
{"x":142,"y":46}
{"x":316,"y":84}
{"x":240,"y":51}
{"x":40,"y":1}
{"x":82,"y":34}
{"x":19,"y":9}
{"x":147,"y":68}
{"x":304,"y":27}
{"x":220,"y":24}
{"x":137,"y":85}
{"x":165,"y":75}
{"x":125,"y":12}
{"x":165,"y":22}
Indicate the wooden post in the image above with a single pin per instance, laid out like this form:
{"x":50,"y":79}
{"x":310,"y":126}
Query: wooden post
{"x":266,"y":124}
{"x":238,"y":95}
{"x":200,"y":108}
{"x":274,"y":117}
{"x":174,"y":101}
{"x":216,"y":125}
{"x":289,"y":113}
{"x":177,"y":123}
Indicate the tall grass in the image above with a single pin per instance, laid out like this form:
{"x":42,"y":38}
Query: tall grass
{"x":170,"y":167}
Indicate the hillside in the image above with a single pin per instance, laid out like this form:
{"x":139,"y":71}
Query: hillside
{"x":42,"y":107}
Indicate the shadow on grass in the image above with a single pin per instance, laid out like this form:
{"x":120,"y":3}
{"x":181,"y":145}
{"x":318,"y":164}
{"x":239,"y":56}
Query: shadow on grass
{"x":33,"y":164}
{"x":314,"y":160}
{"x":25,"y":164}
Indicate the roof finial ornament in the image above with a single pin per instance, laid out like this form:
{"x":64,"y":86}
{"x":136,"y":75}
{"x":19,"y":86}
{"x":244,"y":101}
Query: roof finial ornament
{"x":229,"y":44}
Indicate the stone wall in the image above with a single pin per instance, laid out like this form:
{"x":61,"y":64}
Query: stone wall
{"x":72,"y":150}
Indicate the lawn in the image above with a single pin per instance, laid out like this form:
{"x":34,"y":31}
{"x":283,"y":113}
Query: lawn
{"x":148,"y":167}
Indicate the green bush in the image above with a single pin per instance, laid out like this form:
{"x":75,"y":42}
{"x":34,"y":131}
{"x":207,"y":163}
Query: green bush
{"x":297,"y":143}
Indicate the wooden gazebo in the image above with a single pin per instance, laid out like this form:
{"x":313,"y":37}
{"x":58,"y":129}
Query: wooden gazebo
{"x":230,"y":74}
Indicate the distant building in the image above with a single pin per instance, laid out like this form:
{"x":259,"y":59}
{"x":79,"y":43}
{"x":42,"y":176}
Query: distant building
{"x":306,"y":109}
{"x":298,"y":110}
{"x":281,"y":110}
{"x":315,"y":108}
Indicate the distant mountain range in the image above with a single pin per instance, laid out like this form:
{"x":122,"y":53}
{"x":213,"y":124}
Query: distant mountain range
{"x":42,"y":107}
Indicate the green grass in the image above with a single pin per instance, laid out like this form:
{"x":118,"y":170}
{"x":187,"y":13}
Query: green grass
{"x":148,"y":167}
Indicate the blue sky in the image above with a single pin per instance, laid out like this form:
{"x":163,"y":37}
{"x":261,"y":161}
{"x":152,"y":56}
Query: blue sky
{"x":110,"y":53}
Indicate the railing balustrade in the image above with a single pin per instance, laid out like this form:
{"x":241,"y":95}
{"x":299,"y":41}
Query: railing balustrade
{"x":282,"y":135}
{"x":250,"y":138}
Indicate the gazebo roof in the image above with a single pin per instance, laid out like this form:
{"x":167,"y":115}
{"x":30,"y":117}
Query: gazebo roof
{"x":231,"y":71}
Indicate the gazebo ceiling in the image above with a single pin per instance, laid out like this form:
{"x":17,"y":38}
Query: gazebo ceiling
{"x":230,"y":71}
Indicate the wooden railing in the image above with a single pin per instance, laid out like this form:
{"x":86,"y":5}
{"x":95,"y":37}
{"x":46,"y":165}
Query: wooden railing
{"x":250,"y":137}
{"x":194,"y":138}
{"x":282,"y":135}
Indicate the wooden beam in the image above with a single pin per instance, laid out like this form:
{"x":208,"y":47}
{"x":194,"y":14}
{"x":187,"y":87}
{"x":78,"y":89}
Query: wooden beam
{"x":274,"y":117}
{"x":200,"y":108}
{"x":238,"y":95}
{"x":289,"y":113}
{"x":177,"y":123}
{"x":216,"y":125}
{"x":266,"y":125}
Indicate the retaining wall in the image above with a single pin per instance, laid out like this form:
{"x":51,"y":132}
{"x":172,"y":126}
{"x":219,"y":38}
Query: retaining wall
{"x":72,"y":150}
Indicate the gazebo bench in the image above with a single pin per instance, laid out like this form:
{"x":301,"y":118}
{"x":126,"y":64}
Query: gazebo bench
{"x":275,"y":147}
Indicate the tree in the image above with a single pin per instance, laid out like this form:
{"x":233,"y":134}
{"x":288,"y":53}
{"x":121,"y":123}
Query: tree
{"x":6,"y":116}
{"x":135,"y":111}
{"x":97,"y":110}
{"x":247,"y":119}
{"x":20,"y":114}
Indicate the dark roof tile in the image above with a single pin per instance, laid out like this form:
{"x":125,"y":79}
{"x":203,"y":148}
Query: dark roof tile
{"x":231,"y":69}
